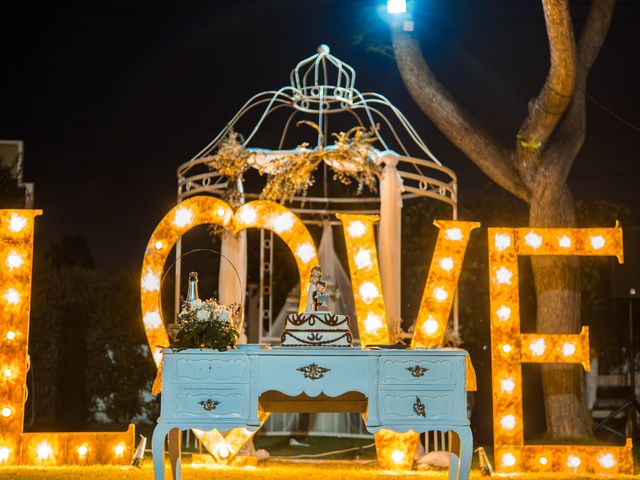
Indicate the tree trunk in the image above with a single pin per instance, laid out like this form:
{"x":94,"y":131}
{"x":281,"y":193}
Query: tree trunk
{"x":557,"y":284}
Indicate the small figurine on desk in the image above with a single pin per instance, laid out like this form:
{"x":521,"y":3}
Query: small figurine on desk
{"x":320,"y":298}
{"x":316,"y":275}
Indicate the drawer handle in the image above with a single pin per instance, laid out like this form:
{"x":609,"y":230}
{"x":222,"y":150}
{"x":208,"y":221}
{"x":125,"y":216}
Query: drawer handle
{"x":419,"y":408}
{"x":417,"y":371}
{"x":313,"y":371}
{"x":209,"y":404}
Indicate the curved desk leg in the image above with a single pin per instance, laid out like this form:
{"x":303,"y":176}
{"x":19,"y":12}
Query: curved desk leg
{"x":157,"y":449}
{"x":454,"y":452}
{"x":460,"y":453}
{"x":175,"y":451}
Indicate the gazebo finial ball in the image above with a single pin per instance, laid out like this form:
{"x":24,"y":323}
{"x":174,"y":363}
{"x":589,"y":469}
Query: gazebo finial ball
{"x":324,"y":48}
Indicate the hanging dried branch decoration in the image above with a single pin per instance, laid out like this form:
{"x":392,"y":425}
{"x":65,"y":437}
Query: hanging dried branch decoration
{"x":349,"y":158}
{"x":232,"y":161}
{"x":291,"y":175}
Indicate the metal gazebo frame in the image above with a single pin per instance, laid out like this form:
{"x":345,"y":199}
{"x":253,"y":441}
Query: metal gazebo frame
{"x":322,"y":87}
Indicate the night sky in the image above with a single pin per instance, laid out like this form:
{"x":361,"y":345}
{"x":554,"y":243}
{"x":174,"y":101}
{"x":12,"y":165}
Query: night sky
{"x":111,"y":96}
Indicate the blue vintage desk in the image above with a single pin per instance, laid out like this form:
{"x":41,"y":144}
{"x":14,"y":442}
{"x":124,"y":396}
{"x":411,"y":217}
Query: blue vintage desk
{"x":400,"y":390}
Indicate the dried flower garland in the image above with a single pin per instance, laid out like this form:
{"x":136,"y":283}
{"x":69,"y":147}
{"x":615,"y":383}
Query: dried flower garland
{"x":291,"y":175}
{"x":232,"y":161}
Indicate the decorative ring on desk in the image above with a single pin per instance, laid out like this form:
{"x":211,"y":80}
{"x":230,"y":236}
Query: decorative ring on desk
{"x":209,"y":404}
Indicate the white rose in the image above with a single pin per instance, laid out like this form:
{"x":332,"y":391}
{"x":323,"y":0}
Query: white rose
{"x":203,"y":315}
{"x":197,"y":303}
{"x":223,"y":316}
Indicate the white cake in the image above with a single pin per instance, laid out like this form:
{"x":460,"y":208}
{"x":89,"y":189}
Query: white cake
{"x":316,"y":329}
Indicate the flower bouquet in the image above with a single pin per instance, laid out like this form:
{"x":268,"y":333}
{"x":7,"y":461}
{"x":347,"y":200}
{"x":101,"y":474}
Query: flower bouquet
{"x":206,"y":324}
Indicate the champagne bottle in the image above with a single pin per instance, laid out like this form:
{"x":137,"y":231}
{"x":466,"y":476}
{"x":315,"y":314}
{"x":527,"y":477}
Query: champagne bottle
{"x":192,"y":293}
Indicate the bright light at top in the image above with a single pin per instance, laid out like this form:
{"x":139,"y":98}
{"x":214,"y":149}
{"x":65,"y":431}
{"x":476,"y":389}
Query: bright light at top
{"x":372,"y":323}
{"x":6,"y":412}
{"x":502,"y":241}
{"x":356,"y":228}
{"x":368,"y":291}
{"x":11,"y":335}
{"x":396,"y":7}
{"x":430,"y":326}
{"x":363,"y":259}
{"x":220,"y":212}
{"x":543,"y":460}
{"x":248,"y":215}
{"x":397,"y":456}
{"x":17,"y":222}
{"x":453,"y":233}
{"x":159,"y":245}
{"x":597,"y":241}
{"x":607,"y":460}
{"x":119,"y":449}
{"x":83,"y":450}
{"x":183,"y":217}
{"x":305,"y":252}
{"x":44,"y":451}
{"x":533,"y":239}
{"x":283,"y":223}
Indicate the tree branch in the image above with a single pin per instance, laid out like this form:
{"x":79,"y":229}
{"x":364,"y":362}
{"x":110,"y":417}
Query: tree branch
{"x":572,"y":130}
{"x":548,"y":107}
{"x":456,"y":124}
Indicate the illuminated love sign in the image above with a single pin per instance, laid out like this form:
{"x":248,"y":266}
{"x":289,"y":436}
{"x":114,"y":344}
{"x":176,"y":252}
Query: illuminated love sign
{"x":205,"y":210}
{"x":42,"y":448}
{"x":510,"y":348}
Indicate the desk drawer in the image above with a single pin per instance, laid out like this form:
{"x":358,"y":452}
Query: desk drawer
{"x":332,"y":375}
{"x":206,"y":403}
{"x":412,"y":407}
{"x":444,"y":372}
{"x":233,"y":369}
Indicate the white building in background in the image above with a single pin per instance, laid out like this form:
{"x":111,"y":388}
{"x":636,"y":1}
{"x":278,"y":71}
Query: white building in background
{"x":12,"y":157}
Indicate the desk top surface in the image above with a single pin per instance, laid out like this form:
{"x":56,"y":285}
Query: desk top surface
{"x":266,"y":350}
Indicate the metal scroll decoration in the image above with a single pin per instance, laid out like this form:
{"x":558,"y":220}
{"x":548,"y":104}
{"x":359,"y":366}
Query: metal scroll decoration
{"x":209,"y":404}
{"x":419,"y":408}
{"x":417,"y":371}
{"x":313,"y":371}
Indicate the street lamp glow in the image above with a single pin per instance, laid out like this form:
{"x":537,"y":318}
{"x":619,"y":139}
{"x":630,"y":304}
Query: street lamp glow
{"x":396,"y":7}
